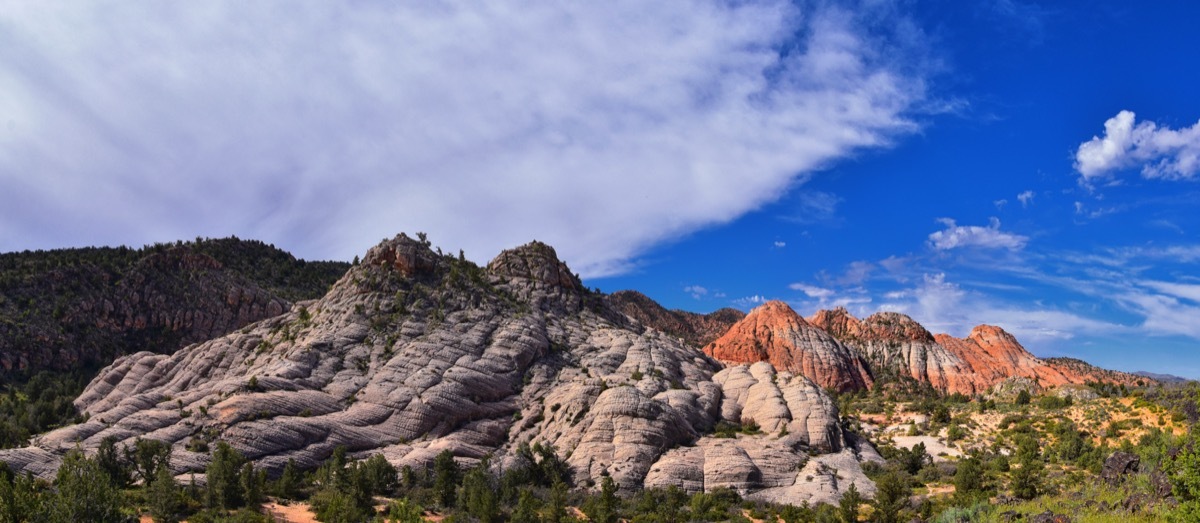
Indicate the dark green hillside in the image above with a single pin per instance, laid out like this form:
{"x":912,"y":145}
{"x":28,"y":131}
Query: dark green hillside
{"x":70,"y":308}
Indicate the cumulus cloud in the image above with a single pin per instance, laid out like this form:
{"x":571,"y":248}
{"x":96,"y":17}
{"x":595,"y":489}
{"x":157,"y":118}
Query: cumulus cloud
{"x":602,"y":128}
{"x":1159,"y":152}
{"x":956,"y":236}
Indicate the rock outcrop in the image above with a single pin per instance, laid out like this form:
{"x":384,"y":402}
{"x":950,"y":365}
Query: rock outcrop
{"x":774,"y":333}
{"x":412,"y":353}
{"x":696,"y":329}
{"x":896,"y":345}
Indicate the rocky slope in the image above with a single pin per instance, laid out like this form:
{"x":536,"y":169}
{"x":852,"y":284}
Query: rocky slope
{"x":73,"y":308}
{"x":412,"y":353}
{"x":774,"y":333}
{"x":894,"y":344}
{"x":696,"y":329}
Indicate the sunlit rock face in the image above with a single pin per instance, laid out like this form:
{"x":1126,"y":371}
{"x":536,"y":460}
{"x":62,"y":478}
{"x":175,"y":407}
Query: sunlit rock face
{"x":413,"y":352}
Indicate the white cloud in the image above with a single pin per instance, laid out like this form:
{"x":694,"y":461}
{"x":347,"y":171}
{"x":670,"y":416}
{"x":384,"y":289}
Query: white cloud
{"x":696,"y":291}
{"x":1186,"y":291}
{"x":779,"y":244}
{"x":815,"y":207}
{"x":750,"y":301}
{"x":943,"y":306}
{"x":1000,"y":204}
{"x":812,"y":291}
{"x":1026,"y":198}
{"x":956,"y":236}
{"x":1159,"y":152}
{"x":602,"y":128}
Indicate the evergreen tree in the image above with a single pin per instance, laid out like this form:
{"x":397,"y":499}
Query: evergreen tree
{"x":556,"y":512}
{"x":477,"y":497}
{"x":224,"y":485}
{"x":85,"y":493}
{"x":605,"y":508}
{"x":288,"y":485}
{"x":968,"y":480}
{"x":891,"y":496}
{"x":445,"y":479}
{"x":20,"y":500}
{"x":251,"y":483}
{"x":164,"y":497}
{"x":1026,"y":481}
{"x":380,"y":475}
{"x":848,"y":504}
{"x":527,"y":507}
{"x":117,"y":470}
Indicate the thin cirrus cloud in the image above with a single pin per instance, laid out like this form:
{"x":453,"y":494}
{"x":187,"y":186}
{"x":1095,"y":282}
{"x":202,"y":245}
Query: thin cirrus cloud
{"x":602,"y":128}
{"x":1159,"y":152}
{"x":956,"y":236}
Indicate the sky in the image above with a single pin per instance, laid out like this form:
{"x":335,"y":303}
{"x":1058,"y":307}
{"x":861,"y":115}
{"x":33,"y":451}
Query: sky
{"x":1022,"y":164}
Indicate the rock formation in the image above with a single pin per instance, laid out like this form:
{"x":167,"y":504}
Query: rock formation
{"x":696,"y":329}
{"x":774,"y":333}
{"x":894,"y":344}
{"x":412,"y":353}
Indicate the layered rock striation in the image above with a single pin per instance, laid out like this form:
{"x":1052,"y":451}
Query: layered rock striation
{"x":412,"y":353}
{"x":896,"y":345}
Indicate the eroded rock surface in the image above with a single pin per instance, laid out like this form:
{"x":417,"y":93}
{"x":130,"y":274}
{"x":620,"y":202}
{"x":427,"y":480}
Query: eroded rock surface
{"x":412,"y":353}
{"x":774,"y":333}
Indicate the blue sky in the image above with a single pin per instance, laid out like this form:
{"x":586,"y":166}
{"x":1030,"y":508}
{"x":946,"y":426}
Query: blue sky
{"x":1031,"y":165}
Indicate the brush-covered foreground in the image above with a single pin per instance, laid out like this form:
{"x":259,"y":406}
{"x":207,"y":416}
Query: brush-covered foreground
{"x":1095,"y":453}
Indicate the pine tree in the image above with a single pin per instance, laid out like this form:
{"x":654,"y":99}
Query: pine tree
{"x":445,"y":478}
{"x":477,"y":496}
{"x":224,"y":486}
{"x":164,"y":497}
{"x":891,"y":496}
{"x":848,"y":505}
{"x":288,"y":485}
{"x":526,"y":509}
{"x":557,"y":510}
{"x":147,"y":456}
{"x":85,"y":493}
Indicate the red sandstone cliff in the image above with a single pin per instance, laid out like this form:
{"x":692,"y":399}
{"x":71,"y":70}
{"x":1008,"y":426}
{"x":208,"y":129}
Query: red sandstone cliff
{"x":774,"y":333}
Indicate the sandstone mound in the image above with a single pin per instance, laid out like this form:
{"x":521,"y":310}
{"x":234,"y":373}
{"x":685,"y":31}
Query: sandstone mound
{"x":774,"y":333}
{"x":413,"y":352}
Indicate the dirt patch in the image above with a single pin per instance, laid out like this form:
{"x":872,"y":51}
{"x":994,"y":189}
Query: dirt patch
{"x":295,"y":512}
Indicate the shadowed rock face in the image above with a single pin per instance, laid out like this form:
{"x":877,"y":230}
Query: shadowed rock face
{"x":412,"y":353}
{"x":77,"y":308}
{"x":774,"y":333}
{"x":696,"y":329}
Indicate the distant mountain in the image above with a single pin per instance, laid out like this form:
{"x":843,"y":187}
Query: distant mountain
{"x":413,"y":352}
{"x":829,"y":346}
{"x":1165,"y":378}
{"x":696,"y":329}
{"x":72,"y":308}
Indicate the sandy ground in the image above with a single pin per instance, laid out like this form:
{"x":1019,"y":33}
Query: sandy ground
{"x":295,"y":512}
{"x":933,"y":446}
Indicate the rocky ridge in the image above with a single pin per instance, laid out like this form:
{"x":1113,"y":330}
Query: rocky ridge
{"x":895,"y":343}
{"x":73,"y":308}
{"x":696,"y":329}
{"x":412,"y":353}
{"x":774,"y":333}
